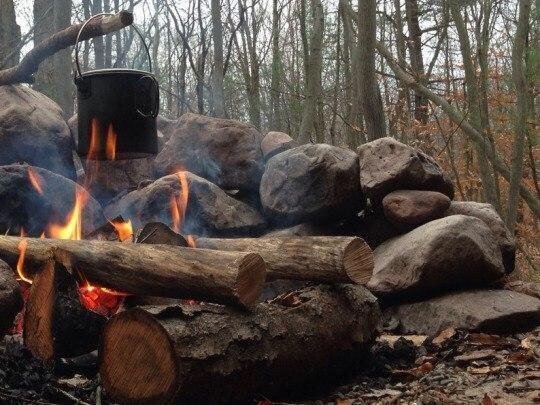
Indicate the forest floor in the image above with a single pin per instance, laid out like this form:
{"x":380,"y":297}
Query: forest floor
{"x":453,"y":368}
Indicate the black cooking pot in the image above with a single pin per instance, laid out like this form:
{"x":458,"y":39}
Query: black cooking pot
{"x":117,"y":110}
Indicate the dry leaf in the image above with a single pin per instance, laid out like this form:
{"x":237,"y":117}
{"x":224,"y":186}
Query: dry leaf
{"x":443,"y":336}
{"x":475,"y":355}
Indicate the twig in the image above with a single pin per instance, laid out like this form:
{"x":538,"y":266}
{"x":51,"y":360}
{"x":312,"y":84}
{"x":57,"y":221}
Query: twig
{"x":24,"y":71}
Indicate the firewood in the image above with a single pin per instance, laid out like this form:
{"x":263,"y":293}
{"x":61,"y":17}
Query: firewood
{"x":325,"y":259}
{"x":157,"y":233}
{"x":210,"y":354}
{"x":23,"y":72}
{"x":10,"y":298}
{"x":234,"y":278}
{"x":56,"y":324}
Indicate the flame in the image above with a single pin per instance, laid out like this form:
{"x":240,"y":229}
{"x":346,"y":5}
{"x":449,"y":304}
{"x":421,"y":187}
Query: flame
{"x":124,"y":230}
{"x":110,"y":143}
{"x":72,"y":228}
{"x":191,"y":241}
{"x":35,"y":180}
{"x":93,"y":149}
{"x":23,"y":244}
{"x":178,"y":204}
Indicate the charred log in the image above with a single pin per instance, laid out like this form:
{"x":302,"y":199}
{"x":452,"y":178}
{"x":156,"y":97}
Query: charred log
{"x":10,"y":298}
{"x":174,"y":351}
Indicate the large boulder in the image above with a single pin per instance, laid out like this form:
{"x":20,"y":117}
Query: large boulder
{"x":311,"y":183}
{"x":275,"y":142}
{"x":487,"y":213}
{"x":448,"y":253}
{"x":210,"y":211}
{"x":492,"y":311}
{"x":226,"y":152}
{"x":407,"y":209}
{"x":387,"y":165}
{"x":32,"y":130}
{"x":26,"y":207}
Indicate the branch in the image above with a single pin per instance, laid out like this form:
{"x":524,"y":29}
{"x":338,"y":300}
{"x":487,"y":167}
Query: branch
{"x":457,"y":117}
{"x":23,"y":72}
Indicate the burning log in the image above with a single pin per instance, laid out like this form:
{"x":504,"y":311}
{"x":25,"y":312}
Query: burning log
{"x":10,"y":298}
{"x":56,"y":324}
{"x":234,"y":278}
{"x":172,"y":353}
{"x":326,"y":259}
{"x":23,"y":72}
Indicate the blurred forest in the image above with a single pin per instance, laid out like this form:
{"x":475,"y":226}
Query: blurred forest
{"x":459,"y":79}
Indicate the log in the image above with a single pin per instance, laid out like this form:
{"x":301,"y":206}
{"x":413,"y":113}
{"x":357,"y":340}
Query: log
{"x":325,"y":259}
{"x":234,"y":278}
{"x":210,"y":354}
{"x":11,"y":301}
{"x":56,"y":324}
{"x":24,"y":71}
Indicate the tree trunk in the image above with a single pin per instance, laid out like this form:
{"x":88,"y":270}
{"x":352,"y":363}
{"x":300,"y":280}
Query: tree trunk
{"x":520,"y":123}
{"x":217,"y":73}
{"x":99,"y":48}
{"x":276,"y":123}
{"x":370,"y":94}
{"x":10,"y":35}
{"x":54,"y":74}
{"x":326,"y":259}
{"x":276,"y":350}
{"x":234,"y":278}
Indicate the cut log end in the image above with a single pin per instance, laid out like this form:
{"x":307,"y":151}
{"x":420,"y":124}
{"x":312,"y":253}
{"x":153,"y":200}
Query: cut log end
{"x":126,"y":17}
{"x":38,"y":336}
{"x":358,"y":261}
{"x":140,"y":365}
{"x":251,"y":278}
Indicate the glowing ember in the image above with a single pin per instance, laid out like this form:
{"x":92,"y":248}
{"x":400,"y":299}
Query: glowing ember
{"x":100,"y":300}
{"x":124,"y":230}
{"x":179,"y":203}
{"x":35,"y":180}
{"x":110,"y":145}
{"x":23,"y":244}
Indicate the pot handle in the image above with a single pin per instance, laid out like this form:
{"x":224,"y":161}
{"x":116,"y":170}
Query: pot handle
{"x":77,"y":64}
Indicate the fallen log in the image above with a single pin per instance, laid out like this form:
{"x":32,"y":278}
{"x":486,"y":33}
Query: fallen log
{"x":56,"y":324}
{"x":24,"y":71}
{"x":11,"y":301}
{"x":234,"y":278}
{"x":211,"y":354}
{"x":326,"y":259}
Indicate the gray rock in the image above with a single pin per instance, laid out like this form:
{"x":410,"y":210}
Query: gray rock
{"x":487,"y":213}
{"x":492,"y":311}
{"x":387,"y":165}
{"x":210,"y":211}
{"x":32,"y":130}
{"x":407,"y":209}
{"x":275,"y":142}
{"x":225,"y":152}
{"x":448,"y":253}
{"x":311,"y":183}
{"x":24,"y":207}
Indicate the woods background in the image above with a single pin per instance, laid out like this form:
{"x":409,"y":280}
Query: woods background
{"x":459,"y":79}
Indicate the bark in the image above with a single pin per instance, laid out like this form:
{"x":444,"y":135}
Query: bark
{"x":459,"y":119}
{"x":10,"y":35}
{"x":277,"y":349}
{"x":234,"y":278}
{"x":313,"y":87}
{"x":417,"y":61}
{"x":217,"y":73}
{"x":473,"y":99}
{"x":520,"y":124}
{"x":11,"y":301}
{"x":52,"y":77}
{"x":370,"y":96}
{"x":277,"y":71}
{"x":24,"y":71}
{"x":403,"y":105}
{"x":56,"y":324}
{"x":325,"y":259}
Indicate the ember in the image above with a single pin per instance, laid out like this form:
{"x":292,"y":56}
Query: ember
{"x":35,"y":180}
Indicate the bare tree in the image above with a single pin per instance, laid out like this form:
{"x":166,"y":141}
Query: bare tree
{"x":10,"y":35}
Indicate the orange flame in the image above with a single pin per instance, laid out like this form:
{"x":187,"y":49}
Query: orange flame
{"x":124,"y":230}
{"x":72,"y":228}
{"x":23,"y":244}
{"x":110,"y":143}
{"x":191,"y":241}
{"x":35,"y":180}
{"x":94,"y":139}
{"x":178,"y":204}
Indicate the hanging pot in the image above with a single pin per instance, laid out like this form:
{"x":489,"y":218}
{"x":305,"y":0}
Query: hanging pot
{"x":117,"y":110}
